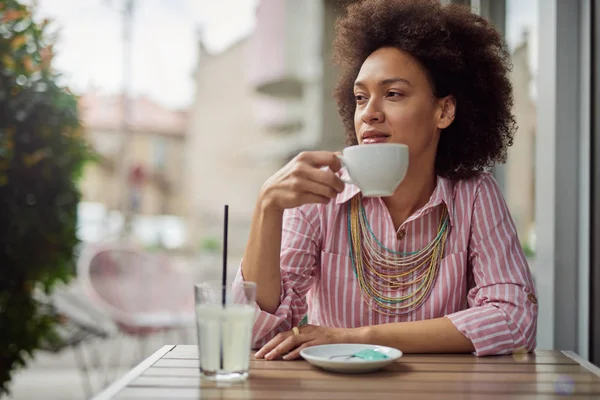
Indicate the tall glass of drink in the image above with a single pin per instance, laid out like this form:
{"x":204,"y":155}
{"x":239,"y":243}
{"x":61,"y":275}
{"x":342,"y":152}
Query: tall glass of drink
{"x":224,"y":320}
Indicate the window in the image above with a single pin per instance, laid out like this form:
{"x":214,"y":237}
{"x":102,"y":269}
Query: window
{"x":518,"y":21}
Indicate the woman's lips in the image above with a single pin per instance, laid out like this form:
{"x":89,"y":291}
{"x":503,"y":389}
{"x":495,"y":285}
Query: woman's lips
{"x":375,"y":139}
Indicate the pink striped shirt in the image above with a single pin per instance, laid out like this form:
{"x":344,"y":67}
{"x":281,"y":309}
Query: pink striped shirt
{"x":484,"y":285}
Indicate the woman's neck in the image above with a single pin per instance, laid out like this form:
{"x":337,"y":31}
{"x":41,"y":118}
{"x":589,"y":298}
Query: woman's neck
{"x":413,"y":193}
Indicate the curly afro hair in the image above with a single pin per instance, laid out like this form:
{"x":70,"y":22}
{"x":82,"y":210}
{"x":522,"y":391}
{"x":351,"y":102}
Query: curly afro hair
{"x":463,"y":56}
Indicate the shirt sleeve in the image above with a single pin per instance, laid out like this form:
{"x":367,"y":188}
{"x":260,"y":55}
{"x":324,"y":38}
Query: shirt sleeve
{"x":300,"y":244}
{"x":502,"y":313}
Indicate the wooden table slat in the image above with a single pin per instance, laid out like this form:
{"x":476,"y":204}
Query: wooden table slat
{"x":192,"y":365}
{"x":400,"y":385}
{"x":191,"y":351}
{"x":465,"y":360}
{"x":539,"y":357}
{"x":385,"y":375}
{"x":559,"y":369}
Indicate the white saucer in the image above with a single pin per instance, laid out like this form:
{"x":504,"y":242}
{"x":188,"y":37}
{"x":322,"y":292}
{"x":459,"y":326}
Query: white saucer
{"x":320,"y":356}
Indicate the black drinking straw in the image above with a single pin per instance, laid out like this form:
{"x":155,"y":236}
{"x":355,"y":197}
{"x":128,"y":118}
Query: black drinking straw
{"x":224,"y":276}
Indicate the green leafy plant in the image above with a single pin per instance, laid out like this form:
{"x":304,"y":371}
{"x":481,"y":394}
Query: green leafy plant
{"x":42,"y":152}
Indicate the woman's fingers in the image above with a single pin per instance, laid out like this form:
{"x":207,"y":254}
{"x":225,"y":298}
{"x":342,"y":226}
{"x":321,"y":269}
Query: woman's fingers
{"x":320,"y":159}
{"x":332,"y":184}
{"x":308,"y":178}
{"x":271,"y":344}
{"x":287,"y":345}
{"x":326,"y":177}
{"x":292,"y":355}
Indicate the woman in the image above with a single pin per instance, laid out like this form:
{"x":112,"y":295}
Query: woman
{"x":437,"y":266}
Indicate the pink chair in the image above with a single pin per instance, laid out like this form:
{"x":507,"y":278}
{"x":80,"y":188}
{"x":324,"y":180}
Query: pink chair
{"x":143,"y":293}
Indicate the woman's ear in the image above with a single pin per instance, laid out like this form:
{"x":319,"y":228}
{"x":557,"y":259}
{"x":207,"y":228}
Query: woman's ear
{"x":447,"y":111}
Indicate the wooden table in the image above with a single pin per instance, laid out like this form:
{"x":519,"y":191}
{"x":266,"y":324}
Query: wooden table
{"x":172,"y":373}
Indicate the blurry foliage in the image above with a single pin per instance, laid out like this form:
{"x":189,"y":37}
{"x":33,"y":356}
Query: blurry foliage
{"x":42,"y":152}
{"x":210,"y":244}
{"x":528,"y":250}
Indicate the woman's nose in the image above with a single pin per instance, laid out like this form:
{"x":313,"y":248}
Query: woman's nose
{"x":372,"y":113}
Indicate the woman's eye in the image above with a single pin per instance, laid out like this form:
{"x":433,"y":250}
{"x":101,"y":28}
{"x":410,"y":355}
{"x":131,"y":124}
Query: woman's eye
{"x":395,"y":94}
{"x":359,"y":98}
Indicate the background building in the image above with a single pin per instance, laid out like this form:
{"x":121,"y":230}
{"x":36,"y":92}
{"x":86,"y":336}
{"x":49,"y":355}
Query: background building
{"x":155,"y":183}
{"x":226,"y":136}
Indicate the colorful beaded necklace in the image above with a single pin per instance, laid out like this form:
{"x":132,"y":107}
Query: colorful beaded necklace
{"x":381,"y":272}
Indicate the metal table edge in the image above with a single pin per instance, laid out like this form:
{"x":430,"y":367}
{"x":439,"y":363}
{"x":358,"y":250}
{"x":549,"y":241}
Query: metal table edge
{"x":130,"y":376}
{"x":583,"y":362}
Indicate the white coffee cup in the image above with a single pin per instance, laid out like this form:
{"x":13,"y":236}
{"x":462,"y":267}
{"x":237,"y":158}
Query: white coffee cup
{"x":377,"y":169}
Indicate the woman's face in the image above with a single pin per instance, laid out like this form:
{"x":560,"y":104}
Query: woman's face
{"x":395,"y":104}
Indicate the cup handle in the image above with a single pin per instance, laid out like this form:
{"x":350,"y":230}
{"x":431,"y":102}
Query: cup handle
{"x":346,"y":181}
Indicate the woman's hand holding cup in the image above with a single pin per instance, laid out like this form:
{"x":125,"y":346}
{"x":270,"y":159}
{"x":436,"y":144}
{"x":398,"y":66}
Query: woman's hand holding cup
{"x":302,"y":181}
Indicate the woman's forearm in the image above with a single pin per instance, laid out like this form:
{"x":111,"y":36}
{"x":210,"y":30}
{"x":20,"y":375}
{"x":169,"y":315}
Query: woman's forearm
{"x":262,"y":256}
{"x":437,"y":335}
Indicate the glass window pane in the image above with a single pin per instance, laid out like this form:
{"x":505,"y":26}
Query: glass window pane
{"x":521,"y":30}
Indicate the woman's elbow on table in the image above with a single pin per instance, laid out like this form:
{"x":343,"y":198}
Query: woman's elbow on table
{"x":498,"y":328}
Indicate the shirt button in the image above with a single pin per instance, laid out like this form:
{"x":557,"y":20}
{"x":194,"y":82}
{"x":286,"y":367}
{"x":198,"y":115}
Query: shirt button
{"x":532,"y":298}
{"x":401,"y":234}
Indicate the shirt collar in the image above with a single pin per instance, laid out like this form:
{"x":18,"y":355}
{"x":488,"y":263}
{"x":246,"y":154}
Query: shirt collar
{"x":443,"y":193}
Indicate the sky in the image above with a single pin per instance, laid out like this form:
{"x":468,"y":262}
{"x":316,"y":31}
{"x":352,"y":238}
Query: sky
{"x":164,"y":53}
{"x":165,"y":41}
